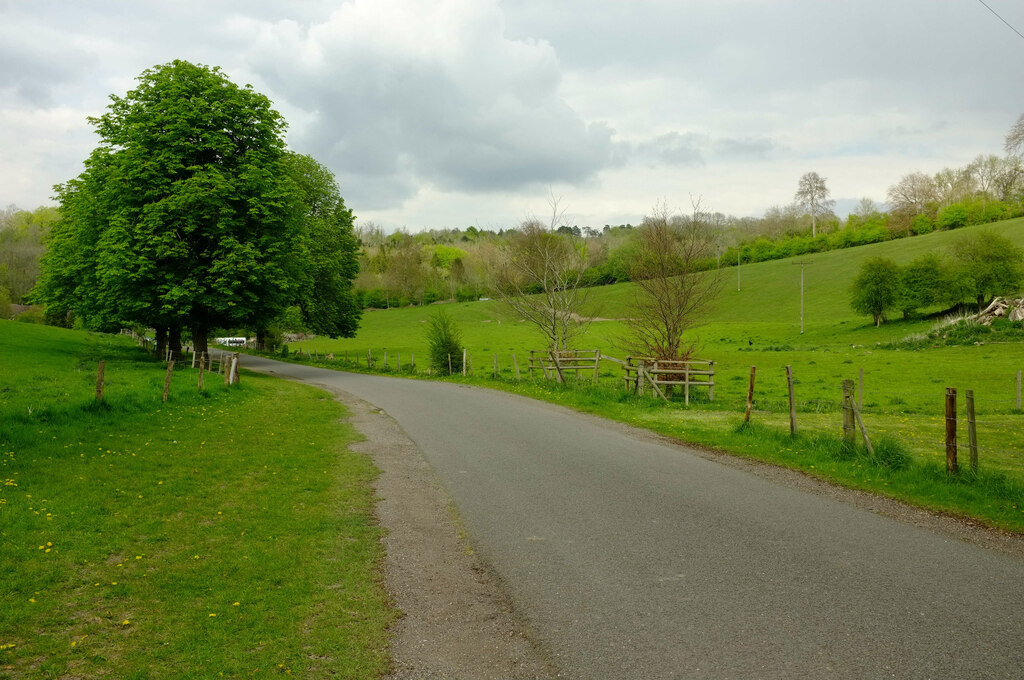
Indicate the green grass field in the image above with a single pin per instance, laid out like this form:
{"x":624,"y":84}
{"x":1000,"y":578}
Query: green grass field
{"x":224,"y":533}
{"x":759,"y":325}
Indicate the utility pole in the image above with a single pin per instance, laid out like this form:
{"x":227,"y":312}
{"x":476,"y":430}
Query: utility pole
{"x":738,"y":251}
{"x":802,"y":263}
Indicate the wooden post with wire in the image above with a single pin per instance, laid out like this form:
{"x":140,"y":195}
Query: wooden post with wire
{"x":972,"y":430}
{"x":515,"y":364}
{"x":849,"y":419}
{"x":951,"y":463}
{"x":167,"y":379}
{"x":1019,"y":375}
{"x":750,"y":394}
{"x":860,"y":390}
{"x":792,"y":401}
{"x":99,"y":380}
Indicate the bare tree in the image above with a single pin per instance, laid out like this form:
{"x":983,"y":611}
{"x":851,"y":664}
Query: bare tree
{"x":912,"y":194}
{"x":812,"y":193}
{"x":674,"y":287}
{"x":540,"y":276}
{"x":1015,"y":138}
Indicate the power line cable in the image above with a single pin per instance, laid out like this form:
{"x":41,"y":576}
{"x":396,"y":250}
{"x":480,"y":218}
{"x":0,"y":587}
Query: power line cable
{"x":1001,"y":19}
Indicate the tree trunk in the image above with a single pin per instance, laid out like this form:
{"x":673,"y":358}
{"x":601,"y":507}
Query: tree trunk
{"x":200,"y":344}
{"x":161,"y":341}
{"x":174,"y":341}
{"x":878,"y":320}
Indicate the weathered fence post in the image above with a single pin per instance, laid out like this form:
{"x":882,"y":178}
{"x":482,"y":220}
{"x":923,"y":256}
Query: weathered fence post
{"x":235,"y":370}
{"x":515,"y":364}
{"x":369,"y":359}
{"x":463,"y":361}
{"x":792,"y":401}
{"x":167,"y":379}
{"x":449,"y":363}
{"x":864,"y":432}
{"x":558,"y":366}
{"x":686,"y":380}
{"x":972,"y":431}
{"x":1018,"y":389}
{"x":385,"y":361}
{"x":99,"y":380}
{"x":951,"y":463}
{"x":597,"y":365}
{"x":849,"y":419}
{"x":860,"y":391}
{"x":202,"y":368}
{"x":711,"y":387}
{"x":750,"y":394}
{"x":193,"y":358}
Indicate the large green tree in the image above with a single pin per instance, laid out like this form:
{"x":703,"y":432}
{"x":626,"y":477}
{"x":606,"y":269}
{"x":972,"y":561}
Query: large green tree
{"x":186,"y":214}
{"x":877,"y":288}
{"x":987,"y":264}
{"x":326,"y":296}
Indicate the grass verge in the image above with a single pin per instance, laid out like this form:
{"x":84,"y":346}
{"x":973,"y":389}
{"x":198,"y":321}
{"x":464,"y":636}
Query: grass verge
{"x":226,"y":532}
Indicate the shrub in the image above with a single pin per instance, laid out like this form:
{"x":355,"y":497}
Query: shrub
{"x":444,"y":337}
{"x":32,"y":316}
{"x":952,"y":217}
{"x":922,"y":224}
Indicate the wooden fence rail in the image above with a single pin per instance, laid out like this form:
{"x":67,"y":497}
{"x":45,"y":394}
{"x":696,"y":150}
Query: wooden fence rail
{"x":669,"y":373}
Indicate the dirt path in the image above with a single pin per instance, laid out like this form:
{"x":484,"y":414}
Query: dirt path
{"x":457,"y":621}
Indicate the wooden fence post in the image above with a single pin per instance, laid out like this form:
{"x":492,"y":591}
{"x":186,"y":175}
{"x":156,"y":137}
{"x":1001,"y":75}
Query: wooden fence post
{"x":849,"y":419}
{"x":972,"y":432}
{"x":792,"y":401}
{"x":1018,"y":389}
{"x":860,"y":392}
{"x":202,"y":368}
{"x":99,"y":380}
{"x":235,"y":377}
{"x":750,"y":394}
{"x":515,"y":364}
{"x":597,"y":364}
{"x":167,"y":379}
{"x":463,"y":361}
{"x":385,"y":361}
{"x":369,"y":359}
{"x":951,"y":463}
{"x":558,"y":366}
{"x":449,"y":363}
{"x":711,"y":387}
{"x":864,"y":432}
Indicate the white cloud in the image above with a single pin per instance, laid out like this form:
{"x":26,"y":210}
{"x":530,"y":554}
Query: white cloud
{"x":405,"y":95}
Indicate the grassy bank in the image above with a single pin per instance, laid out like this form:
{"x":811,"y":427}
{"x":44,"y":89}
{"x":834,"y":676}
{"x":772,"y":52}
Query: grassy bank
{"x":224,"y":532}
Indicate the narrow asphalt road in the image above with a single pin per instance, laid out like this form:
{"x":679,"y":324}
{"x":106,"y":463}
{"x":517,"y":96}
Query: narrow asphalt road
{"x":633,"y":558}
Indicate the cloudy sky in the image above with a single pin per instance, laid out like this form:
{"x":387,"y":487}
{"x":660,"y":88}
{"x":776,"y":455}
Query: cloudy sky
{"x":472,"y":112}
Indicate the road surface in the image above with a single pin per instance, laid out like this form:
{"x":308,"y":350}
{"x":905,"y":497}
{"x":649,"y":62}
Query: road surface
{"x":635,"y":558}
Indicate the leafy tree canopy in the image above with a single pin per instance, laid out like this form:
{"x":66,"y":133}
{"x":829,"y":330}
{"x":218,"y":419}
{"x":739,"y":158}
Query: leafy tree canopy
{"x":187,"y":213}
{"x":987,"y":264}
{"x":877,"y":288}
